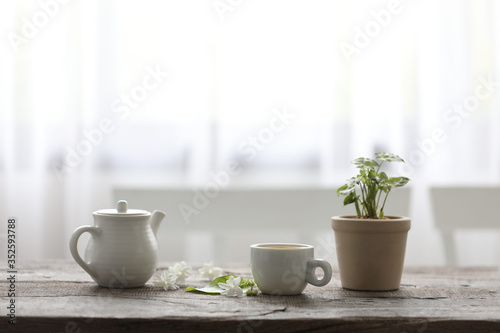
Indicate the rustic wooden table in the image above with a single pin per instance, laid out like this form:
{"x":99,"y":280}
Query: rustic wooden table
{"x":58,"y":296}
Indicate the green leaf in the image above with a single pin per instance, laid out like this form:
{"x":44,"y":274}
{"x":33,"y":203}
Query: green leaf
{"x":383,"y":176}
{"x":351,"y":198}
{"x":388,"y":157}
{"x":374,"y":176}
{"x":353,"y":181}
{"x":384,"y":187}
{"x":213,"y":287}
{"x":341,"y":189}
{"x":397,"y":181}
{"x":365,"y":162}
{"x":347,"y":190}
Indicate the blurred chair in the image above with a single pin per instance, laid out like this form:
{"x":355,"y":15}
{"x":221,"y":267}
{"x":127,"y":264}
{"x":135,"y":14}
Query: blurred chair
{"x":234,"y":218}
{"x":464,"y":208}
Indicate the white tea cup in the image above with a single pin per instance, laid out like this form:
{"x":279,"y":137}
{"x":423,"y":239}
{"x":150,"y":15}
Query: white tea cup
{"x":286,"y":268}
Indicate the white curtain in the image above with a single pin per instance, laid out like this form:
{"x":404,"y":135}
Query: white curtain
{"x":97,"y":94}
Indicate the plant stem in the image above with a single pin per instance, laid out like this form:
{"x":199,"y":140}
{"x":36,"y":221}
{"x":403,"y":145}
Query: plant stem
{"x":357,"y":208}
{"x":363,"y":201}
{"x":380,"y":165}
{"x":378,"y":199}
{"x":371,"y":200}
{"x":385,"y":199}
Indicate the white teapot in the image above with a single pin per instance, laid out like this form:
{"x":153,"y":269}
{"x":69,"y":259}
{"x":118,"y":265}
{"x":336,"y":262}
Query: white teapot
{"x":123,"y":250}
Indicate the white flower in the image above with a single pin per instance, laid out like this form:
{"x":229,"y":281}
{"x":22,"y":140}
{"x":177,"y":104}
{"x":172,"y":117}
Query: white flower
{"x":252,"y":291}
{"x":209,"y":271}
{"x":181,"y":271}
{"x":232,"y":287}
{"x":166,"y":281}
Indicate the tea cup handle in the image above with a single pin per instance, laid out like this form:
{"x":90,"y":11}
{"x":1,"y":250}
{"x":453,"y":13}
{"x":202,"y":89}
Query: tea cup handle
{"x":311,"y":277}
{"x":73,"y":242}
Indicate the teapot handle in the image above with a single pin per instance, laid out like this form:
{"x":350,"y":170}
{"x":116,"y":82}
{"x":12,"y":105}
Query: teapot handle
{"x":73,"y":242}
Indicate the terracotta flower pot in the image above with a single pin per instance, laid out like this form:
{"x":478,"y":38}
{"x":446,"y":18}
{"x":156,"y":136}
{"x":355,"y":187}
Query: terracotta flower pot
{"x":370,"y":252}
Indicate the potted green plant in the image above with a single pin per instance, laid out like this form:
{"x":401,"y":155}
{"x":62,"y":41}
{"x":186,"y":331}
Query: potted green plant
{"x":371,"y":246}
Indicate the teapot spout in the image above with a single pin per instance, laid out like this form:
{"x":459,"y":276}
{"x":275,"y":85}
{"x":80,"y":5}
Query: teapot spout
{"x":155,"y":220}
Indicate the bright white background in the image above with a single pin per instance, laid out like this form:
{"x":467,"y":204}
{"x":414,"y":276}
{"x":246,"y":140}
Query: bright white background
{"x":63,"y":73}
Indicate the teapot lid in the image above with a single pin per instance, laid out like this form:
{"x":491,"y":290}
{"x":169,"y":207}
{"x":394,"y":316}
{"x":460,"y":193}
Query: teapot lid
{"x":122,"y":210}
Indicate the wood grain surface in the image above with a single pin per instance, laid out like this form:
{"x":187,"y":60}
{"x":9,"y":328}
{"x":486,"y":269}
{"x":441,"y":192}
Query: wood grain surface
{"x":58,"y":296}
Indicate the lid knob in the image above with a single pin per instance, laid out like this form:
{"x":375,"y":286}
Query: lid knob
{"x":122,"y":206}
